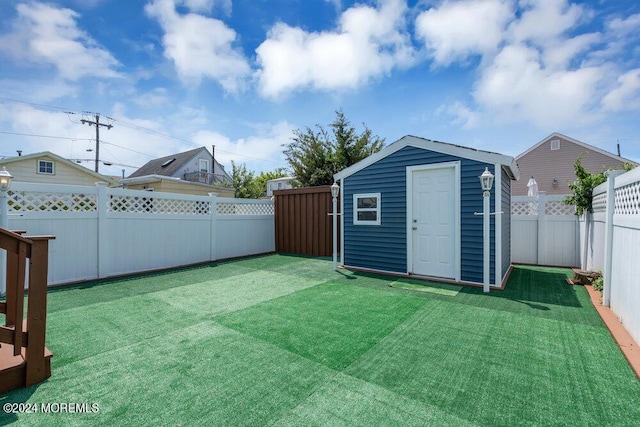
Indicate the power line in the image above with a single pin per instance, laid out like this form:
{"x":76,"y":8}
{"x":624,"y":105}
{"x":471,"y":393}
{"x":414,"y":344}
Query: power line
{"x":46,"y":136}
{"x":68,"y":112}
{"x":105,"y":162}
{"x":17,"y":101}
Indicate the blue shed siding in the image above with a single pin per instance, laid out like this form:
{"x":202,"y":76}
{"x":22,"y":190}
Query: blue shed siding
{"x":384,"y":247}
{"x":506,"y":222}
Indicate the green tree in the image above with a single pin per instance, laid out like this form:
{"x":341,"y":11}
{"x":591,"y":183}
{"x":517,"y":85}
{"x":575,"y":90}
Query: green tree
{"x":244,"y":182}
{"x":261,"y":180}
{"x":250,"y":186}
{"x":316,"y":155}
{"x":582,"y":187}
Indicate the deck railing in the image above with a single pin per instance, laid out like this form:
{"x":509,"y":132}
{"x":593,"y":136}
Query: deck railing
{"x":32,"y":363}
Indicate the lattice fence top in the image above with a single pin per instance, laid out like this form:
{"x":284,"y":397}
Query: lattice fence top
{"x":524,"y":208}
{"x":558,"y":207}
{"x":599,"y":203}
{"x":51,"y":202}
{"x":225,"y":208}
{"x":549,"y":205}
{"x":627,"y":199}
{"x":138,"y":204}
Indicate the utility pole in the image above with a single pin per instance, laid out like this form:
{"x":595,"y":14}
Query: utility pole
{"x":97,"y":124}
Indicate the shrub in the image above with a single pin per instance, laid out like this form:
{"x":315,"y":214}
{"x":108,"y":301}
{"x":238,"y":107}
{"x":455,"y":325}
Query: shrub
{"x":598,"y":283}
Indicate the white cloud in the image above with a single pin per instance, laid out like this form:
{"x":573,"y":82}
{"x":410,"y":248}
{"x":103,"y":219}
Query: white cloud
{"x":560,"y":53}
{"x":200,"y":47}
{"x":37,"y":91}
{"x":545,"y":20}
{"x":44,"y":34}
{"x":368,"y":43}
{"x":518,"y":88}
{"x":626,"y":96}
{"x":337,"y":4}
{"x":625,"y":26}
{"x":261,"y":152}
{"x":158,"y":97}
{"x":537,"y":64}
{"x":456,"y":30}
{"x":462,"y":114}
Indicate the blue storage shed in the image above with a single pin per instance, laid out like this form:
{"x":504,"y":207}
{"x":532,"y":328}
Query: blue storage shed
{"x":410,"y":209}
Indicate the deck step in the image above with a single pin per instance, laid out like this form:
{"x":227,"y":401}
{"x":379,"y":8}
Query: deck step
{"x":13,"y":368}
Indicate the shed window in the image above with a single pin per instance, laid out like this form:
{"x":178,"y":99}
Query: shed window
{"x":366,"y":209}
{"x":555,"y":144}
{"x":45,"y":166}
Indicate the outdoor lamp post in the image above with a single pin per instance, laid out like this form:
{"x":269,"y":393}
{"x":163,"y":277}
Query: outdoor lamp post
{"x":486,"y":181}
{"x":5,"y":184}
{"x":335,"y":191}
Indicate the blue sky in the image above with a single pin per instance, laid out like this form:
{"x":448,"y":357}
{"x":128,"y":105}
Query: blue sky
{"x":172,"y":75}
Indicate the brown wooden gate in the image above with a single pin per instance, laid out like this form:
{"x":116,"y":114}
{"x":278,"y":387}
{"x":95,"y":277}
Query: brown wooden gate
{"x":302,"y":221}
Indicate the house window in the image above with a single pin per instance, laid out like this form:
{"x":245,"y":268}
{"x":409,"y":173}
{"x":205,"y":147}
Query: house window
{"x":366,"y":209}
{"x":45,"y":167}
{"x":204,"y":165}
{"x":555,"y":144}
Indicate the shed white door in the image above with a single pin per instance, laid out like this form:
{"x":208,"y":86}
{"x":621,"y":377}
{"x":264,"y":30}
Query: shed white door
{"x":433,"y":223}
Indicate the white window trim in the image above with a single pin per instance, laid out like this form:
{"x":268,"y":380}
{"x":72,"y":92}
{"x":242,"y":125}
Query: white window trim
{"x":53,"y":167}
{"x":555,"y":144}
{"x":377,"y":209}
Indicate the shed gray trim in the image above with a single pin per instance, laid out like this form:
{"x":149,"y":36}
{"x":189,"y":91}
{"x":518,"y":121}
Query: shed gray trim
{"x":507,"y":162}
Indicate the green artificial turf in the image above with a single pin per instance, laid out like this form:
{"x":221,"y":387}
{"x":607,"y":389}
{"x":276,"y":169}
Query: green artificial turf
{"x":430,"y":287}
{"x":286,"y":341}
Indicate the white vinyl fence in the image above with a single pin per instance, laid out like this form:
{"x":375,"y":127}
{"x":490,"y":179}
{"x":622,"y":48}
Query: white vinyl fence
{"x":544,"y":231}
{"x":102,"y":232}
{"x":612,"y":244}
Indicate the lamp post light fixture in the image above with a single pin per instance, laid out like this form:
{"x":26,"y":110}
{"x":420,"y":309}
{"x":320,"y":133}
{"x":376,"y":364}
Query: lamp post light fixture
{"x":5,"y":179}
{"x":5,"y":184}
{"x":486,"y":182}
{"x":335,"y":191}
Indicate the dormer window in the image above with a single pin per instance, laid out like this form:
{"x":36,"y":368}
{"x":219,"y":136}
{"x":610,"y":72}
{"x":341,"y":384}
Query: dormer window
{"x":45,"y":167}
{"x":168,"y":162}
{"x":555,"y":144}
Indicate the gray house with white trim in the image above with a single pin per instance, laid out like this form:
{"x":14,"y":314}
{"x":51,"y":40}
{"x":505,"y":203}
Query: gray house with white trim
{"x":409,"y":210}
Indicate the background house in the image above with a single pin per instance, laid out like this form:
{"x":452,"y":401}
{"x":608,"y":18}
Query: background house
{"x":197,"y":165}
{"x":284,"y":183}
{"x":551,"y":161}
{"x":170,"y":184}
{"x":191,"y":172}
{"x":49,"y":168}
{"x":409,"y":209}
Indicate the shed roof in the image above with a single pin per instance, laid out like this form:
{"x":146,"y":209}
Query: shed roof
{"x":508,"y":163}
